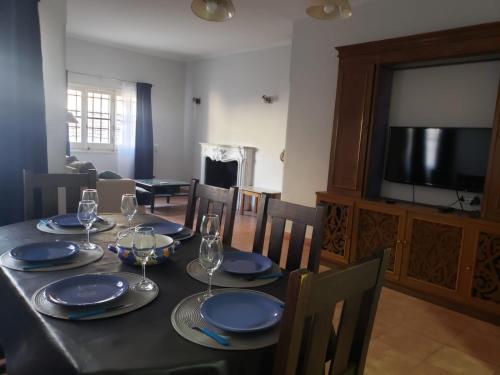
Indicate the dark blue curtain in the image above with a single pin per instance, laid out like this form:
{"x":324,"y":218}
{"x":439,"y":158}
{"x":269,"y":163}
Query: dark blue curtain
{"x":23,"y":140}
{"x":144,"y":133}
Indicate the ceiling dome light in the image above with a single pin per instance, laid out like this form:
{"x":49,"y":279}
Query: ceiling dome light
{"x":213,"y":10}
{"x":329,"y":9}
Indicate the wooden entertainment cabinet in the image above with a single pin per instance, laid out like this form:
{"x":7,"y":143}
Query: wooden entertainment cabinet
{"x":453,"y":258}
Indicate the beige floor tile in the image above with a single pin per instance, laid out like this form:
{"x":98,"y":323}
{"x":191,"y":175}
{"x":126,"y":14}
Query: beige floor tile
{"x":457,"y":362}
{"x":382,"y":359}
{"x":437,"y":330}
{"x":408,"y":342}
{"x":380,"y":327}
{"x":479,"y":344}
{"x":484,"y":327}
{"x":427,"y":369}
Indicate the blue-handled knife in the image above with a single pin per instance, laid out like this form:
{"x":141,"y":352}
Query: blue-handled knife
{"x":87,"y":313}
{"x":220,"y":339}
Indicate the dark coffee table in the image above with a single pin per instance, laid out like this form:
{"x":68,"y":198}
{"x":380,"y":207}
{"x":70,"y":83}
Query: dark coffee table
{"x":162,"y":188}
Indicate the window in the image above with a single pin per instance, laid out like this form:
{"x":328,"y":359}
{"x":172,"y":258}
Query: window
{"x":99,"y":113}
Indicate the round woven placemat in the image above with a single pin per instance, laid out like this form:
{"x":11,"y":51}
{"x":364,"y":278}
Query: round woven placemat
{"x":135,"y":299}
{"x":226,"y":280}
{"x":81,"y":259}
{"x":96,"y":228}
{"x":187,"y":314}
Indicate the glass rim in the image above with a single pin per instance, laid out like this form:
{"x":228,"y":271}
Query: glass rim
{"x":211,"y":215}
{"x":143,"y":229}
{"x":90,"y":190}
{"x":128,"y":195}
{"x":87,"y":201}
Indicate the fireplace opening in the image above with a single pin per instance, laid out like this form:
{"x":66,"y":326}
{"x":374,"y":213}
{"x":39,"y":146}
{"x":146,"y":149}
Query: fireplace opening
{"x":221,"y":174}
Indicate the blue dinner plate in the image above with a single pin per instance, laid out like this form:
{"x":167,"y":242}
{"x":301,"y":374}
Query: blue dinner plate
{"x":165,"y":227}
{"x":68,"y":220}
{"x":45,"y":251}
{"x":242,"y":311}
{"x":86,"y":290}
{"x":245,"y":263}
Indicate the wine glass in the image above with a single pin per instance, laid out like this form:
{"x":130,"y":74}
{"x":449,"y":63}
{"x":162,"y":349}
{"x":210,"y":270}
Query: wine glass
{"x":209,"y":225}
{"x":87,"y":214}
{"x":129,"y":207}
{"x":143,"y":248}
{"x":210,"y":258}
{"x":91,"y":195}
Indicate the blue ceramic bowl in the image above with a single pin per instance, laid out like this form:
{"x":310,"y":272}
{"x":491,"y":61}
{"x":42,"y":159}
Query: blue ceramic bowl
{"x":164,"y":248}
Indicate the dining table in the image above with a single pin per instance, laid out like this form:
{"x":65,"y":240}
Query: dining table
{"x":140,"y":342}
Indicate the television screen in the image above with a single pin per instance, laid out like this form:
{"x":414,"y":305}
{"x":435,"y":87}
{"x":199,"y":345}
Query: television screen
{"x":449,"y":158}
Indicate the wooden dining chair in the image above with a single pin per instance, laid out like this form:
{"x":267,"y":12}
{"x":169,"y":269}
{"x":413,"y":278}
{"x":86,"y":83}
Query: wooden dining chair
{"x":301,"y":216}
{"x":212,"y":200}
{"x":306,"y":341}
{"x":41,"y":192}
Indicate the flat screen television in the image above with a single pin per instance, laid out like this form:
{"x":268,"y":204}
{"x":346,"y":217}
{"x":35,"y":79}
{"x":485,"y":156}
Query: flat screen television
{"x":449,"y":158}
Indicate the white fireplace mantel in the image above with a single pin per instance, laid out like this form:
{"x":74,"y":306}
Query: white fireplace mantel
{"x":244,"y":155}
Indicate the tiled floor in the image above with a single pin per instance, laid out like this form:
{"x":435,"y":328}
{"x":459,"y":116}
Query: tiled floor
{"x":410,"y":336}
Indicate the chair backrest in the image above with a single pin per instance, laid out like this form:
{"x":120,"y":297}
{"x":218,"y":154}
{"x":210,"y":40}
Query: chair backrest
{"x":41,"y":192}
{"x":212,"y":200}
{"x":306,"y":330}
{"x":301,"y":216}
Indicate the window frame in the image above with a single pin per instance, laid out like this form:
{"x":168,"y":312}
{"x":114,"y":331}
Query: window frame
{"x":84,"y":145}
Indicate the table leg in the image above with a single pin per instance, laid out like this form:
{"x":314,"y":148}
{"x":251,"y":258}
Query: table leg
{"x":242,"y":204}
{"x":256,"y":204}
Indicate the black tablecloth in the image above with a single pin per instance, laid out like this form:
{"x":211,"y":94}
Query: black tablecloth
{"x":141,"y":342}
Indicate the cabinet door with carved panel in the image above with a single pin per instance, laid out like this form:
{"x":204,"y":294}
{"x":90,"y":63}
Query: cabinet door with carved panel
{"x":432,"y":255}
{"x":379,"y":227}
{"x":485,"y":283}
{"x":336,"y":238}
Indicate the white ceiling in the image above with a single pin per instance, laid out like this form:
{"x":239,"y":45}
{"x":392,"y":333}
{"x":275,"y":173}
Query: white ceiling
{"x":168,"y":28}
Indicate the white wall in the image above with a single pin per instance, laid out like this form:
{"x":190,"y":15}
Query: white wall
{"x":314,"y":67}
{"x":232,"y":111}
{"x":446,"y":96}
{"x":167,"y":99}
{"x":52,"y":14}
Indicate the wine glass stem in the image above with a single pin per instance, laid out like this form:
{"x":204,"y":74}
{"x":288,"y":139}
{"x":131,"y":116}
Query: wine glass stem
{"x":143,"y":271}
{"x":130,"y":222}
{"x":209,"y":291}
{"x":88,"y":236}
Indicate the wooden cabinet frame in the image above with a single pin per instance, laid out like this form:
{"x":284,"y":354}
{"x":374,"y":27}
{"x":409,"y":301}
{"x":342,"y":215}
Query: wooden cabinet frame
{"x":359,"y":140}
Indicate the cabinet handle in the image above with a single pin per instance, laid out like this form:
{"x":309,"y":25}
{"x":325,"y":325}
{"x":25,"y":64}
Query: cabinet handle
{"x":399,"y":242}
{"x":468,"y":268}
